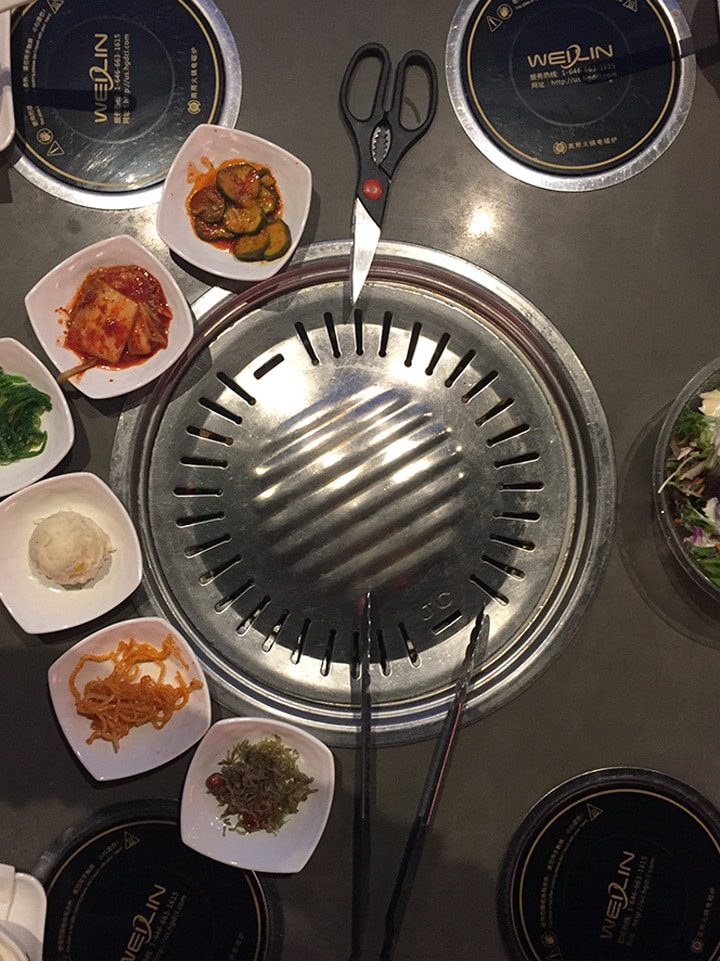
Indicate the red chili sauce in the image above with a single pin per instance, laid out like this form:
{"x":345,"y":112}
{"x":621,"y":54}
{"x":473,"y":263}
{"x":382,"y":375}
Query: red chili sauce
{"x":119,"y":317}
{"x":208,"y":178}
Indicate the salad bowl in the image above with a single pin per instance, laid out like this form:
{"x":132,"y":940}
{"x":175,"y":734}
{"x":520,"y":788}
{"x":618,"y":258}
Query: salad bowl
{"x":686,"y":478}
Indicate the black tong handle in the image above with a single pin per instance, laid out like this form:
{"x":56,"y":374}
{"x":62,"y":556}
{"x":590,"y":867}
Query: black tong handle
{"x":433,"y":788}
{"x":362,"y":835}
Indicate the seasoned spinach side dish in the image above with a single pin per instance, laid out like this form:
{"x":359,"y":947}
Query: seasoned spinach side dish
{"x":259,"y":785}
{"x":21,"y":410}
{"x":693,"y":479}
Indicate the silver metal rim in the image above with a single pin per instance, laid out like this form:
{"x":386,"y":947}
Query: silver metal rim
{"x":538,"y":178}
{"x":518,"y":654}
{"x":130,"y":200}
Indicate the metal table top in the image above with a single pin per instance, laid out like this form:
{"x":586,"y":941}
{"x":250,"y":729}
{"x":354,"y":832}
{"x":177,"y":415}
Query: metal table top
{"x":628,"y":275}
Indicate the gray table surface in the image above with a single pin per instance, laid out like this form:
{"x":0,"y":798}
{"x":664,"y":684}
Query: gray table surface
{"x":629,"y":275}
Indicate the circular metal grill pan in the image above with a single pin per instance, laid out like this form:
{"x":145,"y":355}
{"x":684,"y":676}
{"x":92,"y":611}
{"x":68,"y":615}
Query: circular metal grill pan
{"x":440,"y":445}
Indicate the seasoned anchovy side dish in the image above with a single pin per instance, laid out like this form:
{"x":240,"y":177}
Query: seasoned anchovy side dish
{"x":259,"y":785}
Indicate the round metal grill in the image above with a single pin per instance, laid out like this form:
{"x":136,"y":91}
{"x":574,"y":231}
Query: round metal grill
{"x":439,"y":446}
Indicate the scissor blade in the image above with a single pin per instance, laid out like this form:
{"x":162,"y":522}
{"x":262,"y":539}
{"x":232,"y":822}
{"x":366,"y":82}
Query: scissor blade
{"x":366,"y":235}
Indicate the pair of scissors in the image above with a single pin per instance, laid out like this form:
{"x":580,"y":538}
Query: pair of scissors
{"x":381,"y":140}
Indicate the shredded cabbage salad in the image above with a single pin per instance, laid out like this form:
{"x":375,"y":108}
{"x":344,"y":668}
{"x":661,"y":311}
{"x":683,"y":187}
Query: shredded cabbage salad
{"x":693,"y":467}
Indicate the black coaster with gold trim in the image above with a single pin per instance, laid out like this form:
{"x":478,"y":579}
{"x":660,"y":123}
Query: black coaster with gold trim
{"x":616,"y":863}
{"x":124,"y":885}
{"x":105,"y":93}
{"x":568,"y":88}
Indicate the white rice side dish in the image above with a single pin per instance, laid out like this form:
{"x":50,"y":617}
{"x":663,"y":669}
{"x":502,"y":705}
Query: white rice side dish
{"x":8,"y":951}
{"x":69,"y":548}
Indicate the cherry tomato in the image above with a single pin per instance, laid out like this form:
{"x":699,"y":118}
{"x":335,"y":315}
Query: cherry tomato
{"x":215,"y":781}
{"x":251,"y":822}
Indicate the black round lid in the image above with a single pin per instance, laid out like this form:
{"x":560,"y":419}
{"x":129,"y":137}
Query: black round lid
{"x":619,"y":863}
{"x":105,"y":93}
{"x":123,"y":884}
{"x":570,"y":87}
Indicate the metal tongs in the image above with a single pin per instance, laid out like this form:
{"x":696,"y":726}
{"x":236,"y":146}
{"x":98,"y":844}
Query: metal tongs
{"x":361,"y":852}
{"x":474,"y":654}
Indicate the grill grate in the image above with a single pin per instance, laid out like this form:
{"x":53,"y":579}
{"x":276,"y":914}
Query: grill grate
{"x":439,"y":445}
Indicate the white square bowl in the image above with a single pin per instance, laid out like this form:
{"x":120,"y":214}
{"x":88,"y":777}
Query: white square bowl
{"x":144,"y":747}
{"x":24,"y":908}
{"x":57,"y":289}
{"x":39,"y":606}
{"x":289,"y":850}
{"x":210,"y":144}
{"x":15,"y":358}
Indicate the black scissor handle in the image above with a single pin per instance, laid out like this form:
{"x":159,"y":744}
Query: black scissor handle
{"x":404,"y":137}
{"x":365,"y":125}
{"x":375,"y":171}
